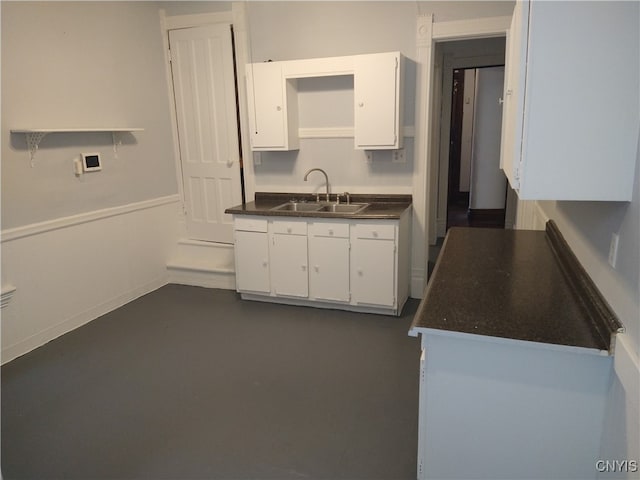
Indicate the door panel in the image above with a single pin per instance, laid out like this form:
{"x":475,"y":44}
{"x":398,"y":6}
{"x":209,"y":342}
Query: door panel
{"x":329,"y":268}
{"x":252,"y":262}
{"x":289,"y":271}
{"x":373,"y":275}
{"x":204,"y":88}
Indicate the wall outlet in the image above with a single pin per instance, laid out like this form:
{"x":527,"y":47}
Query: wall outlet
{"x":397,"y":156}
{"x":613,"y":249}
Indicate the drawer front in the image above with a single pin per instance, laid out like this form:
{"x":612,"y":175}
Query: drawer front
{"x":384,"y":231}
{"x":250,"y":224}
{"x":329,"y":229}
{"x":289,"y":227}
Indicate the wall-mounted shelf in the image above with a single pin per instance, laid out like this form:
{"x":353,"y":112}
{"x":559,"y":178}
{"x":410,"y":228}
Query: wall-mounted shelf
{"x":35,"y":135}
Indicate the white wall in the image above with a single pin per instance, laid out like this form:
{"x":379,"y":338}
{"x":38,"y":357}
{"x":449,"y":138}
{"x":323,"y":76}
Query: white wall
{"x":83,"y":64}
{"x":77,"y":247}
{"x":588,"y":227}
{"x":325,"y":29}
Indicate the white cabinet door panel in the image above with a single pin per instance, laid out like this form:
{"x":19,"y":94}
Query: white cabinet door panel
{"x":373,"y":272}
{"x":252,"y":262}
{"x":329,"y":268}
{"x":289,"y":265}
{"x":376,"y":87}
{"x":266,"y":105}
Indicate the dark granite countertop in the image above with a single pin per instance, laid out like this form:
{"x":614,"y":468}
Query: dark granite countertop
{"x":387,"y":207}
{"x":514,"y":285}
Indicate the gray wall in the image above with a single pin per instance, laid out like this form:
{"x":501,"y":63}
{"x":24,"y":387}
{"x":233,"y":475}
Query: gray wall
{"x":588,"y":227}
{"x":83,"y":64}
{"x":296,"y":30}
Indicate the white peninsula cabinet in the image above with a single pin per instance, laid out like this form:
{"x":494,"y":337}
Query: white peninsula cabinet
{"x":350,"y":264}
{"x":572,"y":87}
{"x":378,"y":88}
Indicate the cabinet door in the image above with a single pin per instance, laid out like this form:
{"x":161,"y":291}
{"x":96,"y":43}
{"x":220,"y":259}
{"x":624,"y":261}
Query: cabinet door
{"x":513,"y":106}
{"x":377,"y":101}
{"x":252,"y":262}
{"x":289,"y":265}
{"x":329,"y":268}
{"x":265,"y":94}
{"x":373,"y":275}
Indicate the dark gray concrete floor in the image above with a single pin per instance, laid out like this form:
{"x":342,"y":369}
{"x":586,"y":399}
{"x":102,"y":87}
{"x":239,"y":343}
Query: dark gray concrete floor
{"x":187,"y":382}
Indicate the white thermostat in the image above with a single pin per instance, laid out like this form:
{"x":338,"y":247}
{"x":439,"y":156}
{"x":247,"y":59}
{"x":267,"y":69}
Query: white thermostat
{"x":91,"y":162}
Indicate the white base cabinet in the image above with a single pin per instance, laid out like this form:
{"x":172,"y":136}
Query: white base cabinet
{"x":373,"y":267}
{"x":499,"y":408}
{"x":252,"y":267}
{"x":360,"y":265}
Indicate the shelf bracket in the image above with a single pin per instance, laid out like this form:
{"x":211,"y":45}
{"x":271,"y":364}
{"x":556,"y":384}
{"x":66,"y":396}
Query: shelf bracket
{"x":116,"y":142}
{"x":33,"y":141}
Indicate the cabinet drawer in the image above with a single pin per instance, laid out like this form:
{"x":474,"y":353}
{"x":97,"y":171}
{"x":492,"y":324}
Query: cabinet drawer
{"x":384,"y":231}
{"x":290,"y":227}
{"x":250,"y":224}
{"x":329,"y":229}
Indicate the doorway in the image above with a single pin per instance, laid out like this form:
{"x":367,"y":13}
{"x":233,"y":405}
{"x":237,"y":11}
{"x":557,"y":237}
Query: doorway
{"x":477,"y":188}
{"x":465,"y":68}
{"x":205,"y":93}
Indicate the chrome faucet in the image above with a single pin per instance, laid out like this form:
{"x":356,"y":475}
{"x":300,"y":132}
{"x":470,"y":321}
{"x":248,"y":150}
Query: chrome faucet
{"x":326,"y":179}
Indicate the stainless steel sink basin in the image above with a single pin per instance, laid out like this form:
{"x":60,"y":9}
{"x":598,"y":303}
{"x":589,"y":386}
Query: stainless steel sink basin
{"x":299,"y":207}
{"x":344,"y":208}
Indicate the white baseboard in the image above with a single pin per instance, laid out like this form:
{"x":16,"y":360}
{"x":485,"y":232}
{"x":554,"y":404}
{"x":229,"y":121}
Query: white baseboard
{"x":40,"y":338}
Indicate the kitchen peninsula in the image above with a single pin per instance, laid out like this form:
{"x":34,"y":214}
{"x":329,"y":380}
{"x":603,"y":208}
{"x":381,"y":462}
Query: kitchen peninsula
{"x":517,"y":348}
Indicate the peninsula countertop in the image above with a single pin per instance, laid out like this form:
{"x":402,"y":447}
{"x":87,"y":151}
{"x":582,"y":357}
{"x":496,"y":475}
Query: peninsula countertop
{"x":515,"y":285}
{"x":381,"y":207}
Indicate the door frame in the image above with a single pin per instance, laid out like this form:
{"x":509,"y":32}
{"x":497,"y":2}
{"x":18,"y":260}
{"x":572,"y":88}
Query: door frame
{"x":427,"y":141}
{"x":450,"y":64}
{"x":236,"y":18}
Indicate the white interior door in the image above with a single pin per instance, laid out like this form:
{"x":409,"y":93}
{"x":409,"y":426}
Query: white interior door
{"x":205,"y":95}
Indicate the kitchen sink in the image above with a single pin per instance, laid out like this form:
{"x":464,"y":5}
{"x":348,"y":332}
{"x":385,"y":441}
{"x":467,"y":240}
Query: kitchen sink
{"x":321,"y":207}
{"x":299,"y":207}
{"x":344,"y":207}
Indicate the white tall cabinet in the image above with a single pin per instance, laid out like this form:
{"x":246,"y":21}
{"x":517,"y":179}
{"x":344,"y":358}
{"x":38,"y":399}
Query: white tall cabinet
{"x":572,"y":89}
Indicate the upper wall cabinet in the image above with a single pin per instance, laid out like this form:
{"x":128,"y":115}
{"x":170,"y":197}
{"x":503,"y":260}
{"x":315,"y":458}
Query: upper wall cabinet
{"x":378,"y":106}
{"x":273,"y":106}
{"x":571,"y":118}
